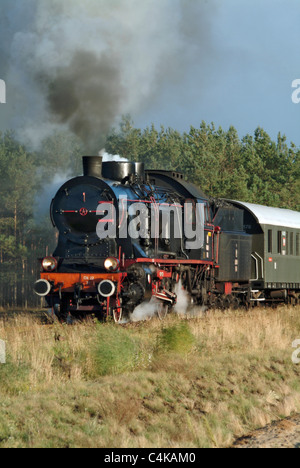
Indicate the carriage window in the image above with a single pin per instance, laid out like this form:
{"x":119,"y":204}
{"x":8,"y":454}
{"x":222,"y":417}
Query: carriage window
{"x":291,"y":243}
{"x":285,"y":238}
{"x":298,"y":245}
{"x":279,"y":242}
{"x":270,"y":241}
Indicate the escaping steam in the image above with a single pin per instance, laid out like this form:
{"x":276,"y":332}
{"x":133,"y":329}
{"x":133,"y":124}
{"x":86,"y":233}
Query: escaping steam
{"x":82,"y":65}
{"x":183,"y":307}
{"x":183,"y":299}
{"x":106,"y":157}
{"x":145,"y":311}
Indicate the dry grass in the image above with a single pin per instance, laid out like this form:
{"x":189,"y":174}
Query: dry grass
{"x":196,"y":382}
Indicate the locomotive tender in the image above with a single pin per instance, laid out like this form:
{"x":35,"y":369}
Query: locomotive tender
{"x":249,"y":254}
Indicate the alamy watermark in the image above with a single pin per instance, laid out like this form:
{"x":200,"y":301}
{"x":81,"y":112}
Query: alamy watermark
{"x":2,"y":92}
{"x":145,"y":220}
{"x":2,"y":352}
{"x":296,"y":93}
{"x":296,"y":354}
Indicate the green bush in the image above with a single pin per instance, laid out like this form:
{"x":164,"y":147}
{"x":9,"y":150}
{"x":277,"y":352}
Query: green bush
{"x":115,"y":351}
{"x":14,"y":378}
{"x":177,"y":339}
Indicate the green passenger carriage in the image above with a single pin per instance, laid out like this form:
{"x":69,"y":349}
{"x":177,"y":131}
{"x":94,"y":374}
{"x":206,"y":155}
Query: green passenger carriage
{"x":275,"y":251}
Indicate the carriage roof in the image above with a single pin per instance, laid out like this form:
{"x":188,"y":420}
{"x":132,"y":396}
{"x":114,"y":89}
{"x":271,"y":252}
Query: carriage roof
{"x":271,"y":216}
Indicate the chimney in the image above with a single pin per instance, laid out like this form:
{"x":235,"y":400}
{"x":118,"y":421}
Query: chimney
{"x":92,"y":166}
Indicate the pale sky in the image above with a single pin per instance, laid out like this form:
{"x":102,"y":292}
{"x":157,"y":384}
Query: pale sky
{"x":247,"y":83}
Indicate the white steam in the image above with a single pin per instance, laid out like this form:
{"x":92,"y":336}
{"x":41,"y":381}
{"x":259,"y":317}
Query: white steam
{"x":183,"y":307}
{"x":183,"y":299}
{"x":148,"y":310}
{"x":145,"y":311}
{"x":106,"y":157}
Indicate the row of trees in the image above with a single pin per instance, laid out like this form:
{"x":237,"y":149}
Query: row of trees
{"x":254,"y":169}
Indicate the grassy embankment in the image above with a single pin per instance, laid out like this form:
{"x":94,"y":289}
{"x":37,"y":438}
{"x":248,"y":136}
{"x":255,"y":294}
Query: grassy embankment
{"x":182,"y":383}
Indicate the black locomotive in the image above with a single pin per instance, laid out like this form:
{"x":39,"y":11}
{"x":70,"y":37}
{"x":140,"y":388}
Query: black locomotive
{"x":231,"y":261}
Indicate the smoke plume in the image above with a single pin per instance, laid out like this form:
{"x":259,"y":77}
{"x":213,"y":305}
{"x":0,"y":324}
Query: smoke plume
{"x":81,"y":65}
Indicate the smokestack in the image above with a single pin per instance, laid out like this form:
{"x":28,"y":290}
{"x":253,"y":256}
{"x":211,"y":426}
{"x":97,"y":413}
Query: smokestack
{"x":92,"y":166}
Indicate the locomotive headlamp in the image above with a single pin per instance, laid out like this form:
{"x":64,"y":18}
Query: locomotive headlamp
{"x":49,"y":264}
{"x":111,"y":264}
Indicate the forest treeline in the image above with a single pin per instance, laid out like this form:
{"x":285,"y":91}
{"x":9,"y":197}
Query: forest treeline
{"x":253,"y":168}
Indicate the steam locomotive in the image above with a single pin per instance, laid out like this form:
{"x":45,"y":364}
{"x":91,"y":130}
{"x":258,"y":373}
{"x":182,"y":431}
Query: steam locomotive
{"x":244,"y":254}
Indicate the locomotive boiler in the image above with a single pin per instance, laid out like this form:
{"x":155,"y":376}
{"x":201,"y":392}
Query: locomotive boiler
{"x":129,"y":235}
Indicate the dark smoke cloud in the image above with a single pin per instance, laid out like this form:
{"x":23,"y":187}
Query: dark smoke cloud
{"x":87,"y":96}
{"x":81,"y":65}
